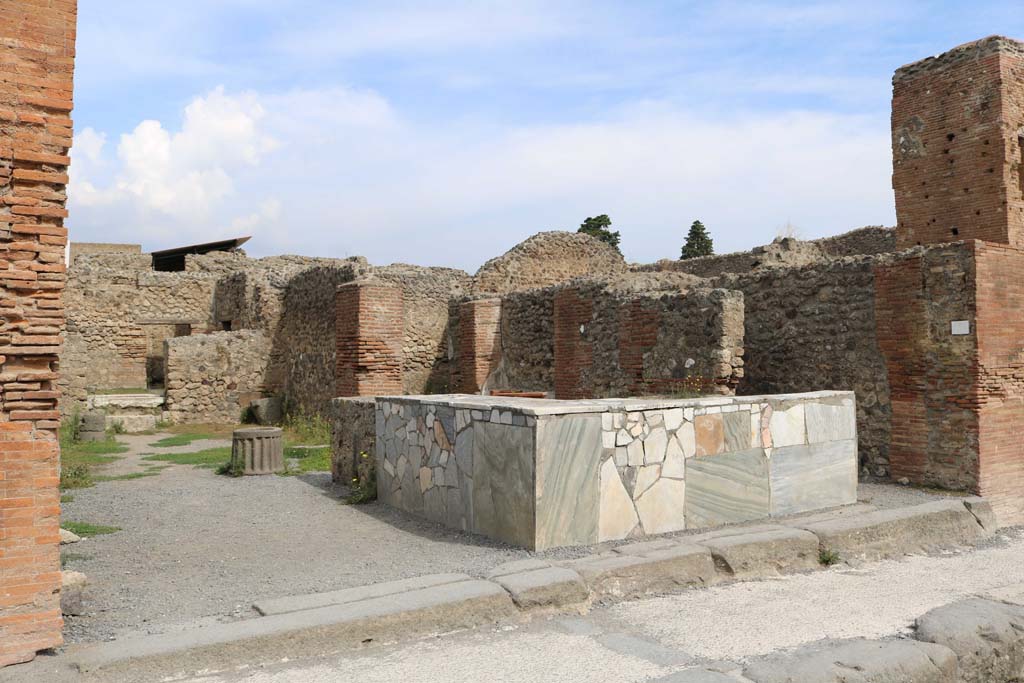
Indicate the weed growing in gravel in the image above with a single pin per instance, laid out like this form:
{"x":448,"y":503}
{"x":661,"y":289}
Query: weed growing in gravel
{"x":180,"y":440}
{"x":828,"y":557}
{"x":365,"y":490}
{"x":75,"y":476}
{"x":68,"y":557}
{"x":211,"y":457}
{"x":87,"y":530}
{"x":79,"y":457}
{"x":149,"y":472}
{"x":308,"y":459}
{"x":306,"y":430}
{"x":67,"y":498}
{"x":231,"y":469}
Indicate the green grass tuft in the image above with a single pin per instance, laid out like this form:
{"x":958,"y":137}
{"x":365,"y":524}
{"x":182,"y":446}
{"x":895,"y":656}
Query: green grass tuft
{"x":66,"y":557}
{"x":309,"y":459}
{"x":67,"y":498}
{"x":87,"y":530}
{"x":211,"y":457}
{"x":828,"y":557}
{"x":181,"y":440}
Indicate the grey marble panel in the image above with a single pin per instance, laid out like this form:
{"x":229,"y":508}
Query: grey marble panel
{"x":812,"y":477}
{"x":568,"y":460}
{"x":737,"y":431}
{"x":831,"y":421}
{"x":726,"y":488}
{"x":503,"y":482}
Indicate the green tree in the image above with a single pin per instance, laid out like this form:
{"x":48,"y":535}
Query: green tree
{"x":698,"y":242}
{"x":597,"y":226}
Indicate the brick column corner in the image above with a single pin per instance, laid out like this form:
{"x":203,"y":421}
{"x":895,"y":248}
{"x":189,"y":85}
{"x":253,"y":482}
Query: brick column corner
{"x":573,"y":353}
{"x":37,"y":63}
{"x":479,"y":343}
{"x":370,"y":325}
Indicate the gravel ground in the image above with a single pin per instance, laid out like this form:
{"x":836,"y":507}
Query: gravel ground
{"x":196,"y":547}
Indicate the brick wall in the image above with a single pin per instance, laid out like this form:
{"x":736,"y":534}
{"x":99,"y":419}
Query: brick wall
{"x":370,"y":321}
{"x":1000,"y":334}
{"x":573,"y":350}
{"x":931,"y":371}
{"x":37,"y":39}
{"x":956,"y":122}
{"x":479,"y":343}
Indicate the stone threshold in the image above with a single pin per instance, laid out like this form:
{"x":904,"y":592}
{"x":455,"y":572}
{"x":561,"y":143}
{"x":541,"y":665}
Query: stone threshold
{"x":325,"y":623}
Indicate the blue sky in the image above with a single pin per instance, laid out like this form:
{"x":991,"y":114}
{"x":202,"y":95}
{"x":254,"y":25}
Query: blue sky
{"x":443,"y":133}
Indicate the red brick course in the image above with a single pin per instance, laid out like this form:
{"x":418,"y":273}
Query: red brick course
{"x":573,"y":353}
{"x":479,"y":343}
{"x":956,"y":122}
{"x":37,"y":39}
{"x":370,"y":320}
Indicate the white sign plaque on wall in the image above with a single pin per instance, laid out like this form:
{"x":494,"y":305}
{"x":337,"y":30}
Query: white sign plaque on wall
{"x":961,"y":327}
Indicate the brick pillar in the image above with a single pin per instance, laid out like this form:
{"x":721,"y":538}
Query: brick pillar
{"x":479,"y":343}
{"x":37,"y":42}
{"x":370,"y":324}
{"x":638,"y":333}
{"x":1000,"y":329}
{"x":573,"y":353}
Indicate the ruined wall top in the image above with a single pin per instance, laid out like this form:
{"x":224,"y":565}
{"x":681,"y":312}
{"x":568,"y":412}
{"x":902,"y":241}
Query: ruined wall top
{"x":548,"y":258}
{"x":968,"y":52}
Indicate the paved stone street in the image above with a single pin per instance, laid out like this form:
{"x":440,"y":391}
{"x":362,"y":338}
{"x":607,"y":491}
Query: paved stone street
{"x":649,"y":640}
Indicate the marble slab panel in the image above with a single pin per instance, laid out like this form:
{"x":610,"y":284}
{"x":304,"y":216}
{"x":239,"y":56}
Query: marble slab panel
{"x":617,"y":516}
{"x":737,"y":431}
{"x":831,"y":421}
{"x":662,"y":507}
{"x":710,"y":432}
{"x":812,"y":477}
{"x":568,"y":456}
{"x":503,"y":482}
{"x":726,"y":488}
{"x":788,"y":426}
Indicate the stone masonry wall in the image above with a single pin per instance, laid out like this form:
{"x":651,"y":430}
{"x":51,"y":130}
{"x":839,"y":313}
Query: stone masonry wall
{"x":613,"y":340}
{"x":548,"y":258}
{"x":813,"y":327}
{"x":956,"y":137}
{"x":353,"y":438}
{"x":37,"y":50}
{"x":212,"y":378}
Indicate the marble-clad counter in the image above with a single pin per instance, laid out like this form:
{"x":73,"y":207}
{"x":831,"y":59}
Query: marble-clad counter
{"x":544,"y":473}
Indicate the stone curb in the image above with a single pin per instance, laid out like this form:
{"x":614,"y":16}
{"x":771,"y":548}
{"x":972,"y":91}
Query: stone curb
{"x":328,"y":622}
{"x":446,"y":607}
{"x":885,"y":534}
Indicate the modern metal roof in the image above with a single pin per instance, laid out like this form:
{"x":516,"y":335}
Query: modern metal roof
{"x":174,"y":259}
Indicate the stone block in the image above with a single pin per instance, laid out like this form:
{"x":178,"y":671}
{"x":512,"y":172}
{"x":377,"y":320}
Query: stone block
{"x":517,"y":567}
{"x":767,"y":552}
{"x":982,"y":511}
{"x":737,"y":431}
{"x":831,"y":421}
{"x":892,"y":533}
{"x":503,"y":483}
{"x":788,"y":426}
{"x":813,"y":477}
{"x":73,"y":593}
{"x":616,"y":575}
{"x":131,"y":424}
{"x":987,"y":637}
{"x":550,"y":587}
{"x":727,"y":488}
{"x":267,"y":411}
{"x":858,"y":661}
{"x":568,"y":452}
{"x":297,"y":603}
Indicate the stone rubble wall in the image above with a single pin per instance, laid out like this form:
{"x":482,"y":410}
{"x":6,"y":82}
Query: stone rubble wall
{"x":548,"y":258}
{"x":814,"y":327}
{"x":353,"y":438}
{"x":212,"y":378}
{"x":782,"y":252}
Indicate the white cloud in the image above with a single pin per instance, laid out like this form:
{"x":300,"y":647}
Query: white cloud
{"x":348,"y":174}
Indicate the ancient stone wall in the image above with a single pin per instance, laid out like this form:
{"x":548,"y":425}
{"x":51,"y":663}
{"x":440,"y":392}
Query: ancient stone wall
{"x":88,"y":248}
{"x":646,"y":335}
{"x":37,"y":50}
{"x":956,"y":136}
{"x":527,"y":342}
{"x":548,"y":258}
{"x":212,"y":378}
{"x":119,"y":313}
{"x":813,"y":327}
{"x":353,"y":438}
{"x":783,"y":252}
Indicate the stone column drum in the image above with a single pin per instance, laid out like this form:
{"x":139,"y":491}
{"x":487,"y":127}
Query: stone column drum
{"x":257,"y":450}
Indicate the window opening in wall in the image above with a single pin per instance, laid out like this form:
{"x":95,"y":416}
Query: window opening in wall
{"x":225,"y":325}
{"x":183,"y":330}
